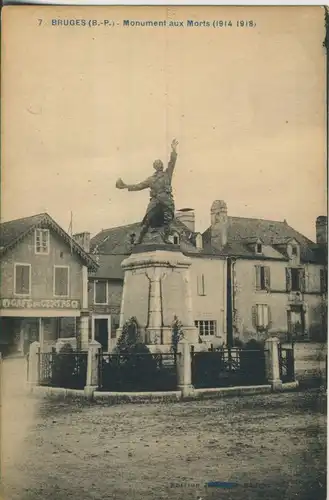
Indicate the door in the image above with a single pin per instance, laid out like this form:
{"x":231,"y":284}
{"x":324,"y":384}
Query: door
{"x":296,"y":322}
{"x":102,"y":332}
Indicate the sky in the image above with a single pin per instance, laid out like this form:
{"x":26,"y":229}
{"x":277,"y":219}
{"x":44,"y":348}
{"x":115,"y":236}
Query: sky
{"x":83,"y":106}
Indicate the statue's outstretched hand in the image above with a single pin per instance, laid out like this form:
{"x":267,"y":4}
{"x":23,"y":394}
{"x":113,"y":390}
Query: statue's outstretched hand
{"x":120,"y":184}
{"x":174,"y":145}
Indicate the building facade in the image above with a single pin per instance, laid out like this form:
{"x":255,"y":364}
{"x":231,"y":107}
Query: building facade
{"x":250,"y":277}
{"x":44,"y":285}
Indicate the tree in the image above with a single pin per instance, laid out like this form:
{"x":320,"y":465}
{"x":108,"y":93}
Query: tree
{"x":135,"y":367}
{"x":177,"y":334}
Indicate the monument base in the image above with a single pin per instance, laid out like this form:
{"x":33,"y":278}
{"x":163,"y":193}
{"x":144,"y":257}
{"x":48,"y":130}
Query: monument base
{"x":157,"y":289}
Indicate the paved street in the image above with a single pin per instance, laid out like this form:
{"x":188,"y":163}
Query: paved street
{"x":272,"y":446}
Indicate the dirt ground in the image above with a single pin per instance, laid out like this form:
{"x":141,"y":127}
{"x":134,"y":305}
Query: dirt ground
{"x":271,"y":446}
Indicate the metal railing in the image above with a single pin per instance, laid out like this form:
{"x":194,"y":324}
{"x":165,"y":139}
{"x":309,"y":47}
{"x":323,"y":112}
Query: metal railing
{"x":67,"y":370}
{"x":137,"y":372}
{"x":228,"y":367}
{"x":286,"y":363}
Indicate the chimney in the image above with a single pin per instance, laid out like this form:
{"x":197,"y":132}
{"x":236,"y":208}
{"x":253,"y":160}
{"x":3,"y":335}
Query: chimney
{"x":187,"y":217}
{"x":83,"y":239}
{"x":219,"y":223}
{"x":321,"y":225}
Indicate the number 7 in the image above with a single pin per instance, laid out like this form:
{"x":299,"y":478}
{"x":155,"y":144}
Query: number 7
{"x":40,"y":22}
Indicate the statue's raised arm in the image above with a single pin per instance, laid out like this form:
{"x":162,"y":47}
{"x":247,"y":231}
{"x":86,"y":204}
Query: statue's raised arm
{"x":173,"y":158}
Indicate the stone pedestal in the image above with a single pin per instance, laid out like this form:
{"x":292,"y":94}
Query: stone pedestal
{"x":272,"y":363}
{"x":157,"y":288}
{"x":83,"y":330}
{"x":184,"y":373}
{"x":94,"y":350}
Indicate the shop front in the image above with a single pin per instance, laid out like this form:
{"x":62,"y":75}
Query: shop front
{"x":24,"y":321}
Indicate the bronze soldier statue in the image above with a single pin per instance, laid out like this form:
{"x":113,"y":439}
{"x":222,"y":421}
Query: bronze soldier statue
{"x":161,"y":208}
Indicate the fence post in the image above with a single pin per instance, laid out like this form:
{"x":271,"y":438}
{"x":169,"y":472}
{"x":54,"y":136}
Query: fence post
{"x":92,"y":382}
{"x":34,"y":364}
{"x":272,"y":363}
{"x":184,"y":374}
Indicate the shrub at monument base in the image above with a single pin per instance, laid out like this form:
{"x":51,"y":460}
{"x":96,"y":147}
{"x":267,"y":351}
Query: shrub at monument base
{"x":132,"y":367}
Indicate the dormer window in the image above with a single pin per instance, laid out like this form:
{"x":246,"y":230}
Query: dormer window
{"x":42,"y":241}
{"x":174,"y":238}
{"x":259,"y":248}
{"x":294,"y":251}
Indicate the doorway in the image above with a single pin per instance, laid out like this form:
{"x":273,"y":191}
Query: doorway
{"x":101,"y":332}
{"x":296,"y":322}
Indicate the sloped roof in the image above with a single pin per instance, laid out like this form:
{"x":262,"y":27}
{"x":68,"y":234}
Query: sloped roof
{"x":12,"y":232}
{"x":242,"y":231}
{"x":271,"y":233}
{"x":109,"y":266}
{"x":117,"y":240}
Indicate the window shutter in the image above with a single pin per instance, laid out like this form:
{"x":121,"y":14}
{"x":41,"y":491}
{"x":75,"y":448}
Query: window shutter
{"x":302,"y":280}
{"x":267,"y":277}
{"x":22,"y":284}
{"x":25,"y":279}
{"x":258,"y":277}
{"x":288,"y":279}
{"x":289,"y":323}
{"x":254,"y":317}
{"x":61,"y":281}
{"x":269,"y":316}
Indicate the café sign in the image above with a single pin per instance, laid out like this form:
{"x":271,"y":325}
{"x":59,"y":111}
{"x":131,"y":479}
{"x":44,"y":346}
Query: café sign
{"x":39,"y":304}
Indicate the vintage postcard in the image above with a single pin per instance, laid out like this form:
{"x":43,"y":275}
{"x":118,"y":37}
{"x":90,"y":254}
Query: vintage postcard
{"x":163,"y":243}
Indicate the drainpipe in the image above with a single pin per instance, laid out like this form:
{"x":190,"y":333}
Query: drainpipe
{"x":229,"y":311}
{"x":230,"y":302}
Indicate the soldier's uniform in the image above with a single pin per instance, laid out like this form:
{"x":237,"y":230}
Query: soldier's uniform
{"x":161,"y":208}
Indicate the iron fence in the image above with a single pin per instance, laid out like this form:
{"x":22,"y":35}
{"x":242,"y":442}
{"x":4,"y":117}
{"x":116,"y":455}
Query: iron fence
{"x":228,"y":367}
{"x":137,"y":372}
{"x":67,"y":370}
{"x":286,"y":363}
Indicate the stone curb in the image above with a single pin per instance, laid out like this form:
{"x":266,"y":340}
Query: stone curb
{"x":156,"y":397}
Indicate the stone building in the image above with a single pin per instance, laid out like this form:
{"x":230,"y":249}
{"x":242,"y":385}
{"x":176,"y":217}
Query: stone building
{"x":44,"y":280}
{"x":110,"y":247}
{"x":250,"y":277}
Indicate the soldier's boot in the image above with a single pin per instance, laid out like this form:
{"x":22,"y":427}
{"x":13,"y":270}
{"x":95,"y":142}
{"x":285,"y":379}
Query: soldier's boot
{"x":142,"y":235}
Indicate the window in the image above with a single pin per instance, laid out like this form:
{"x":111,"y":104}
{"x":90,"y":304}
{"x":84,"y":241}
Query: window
{"x":259,"y":248}
{"x":174,"y":238}
{"x":42,"y":241}
{"x":295,"y":279}
{"x":100,"y":292}
{"x":296,"y":323}
{"x":206,"y":327}
{"x":22,"y":279}
{"x":61,"y":281}
{"x":201,"y":284}
{"x":294,"y":251}
{"x":263,"y":278}
{"x":261,"y":316}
